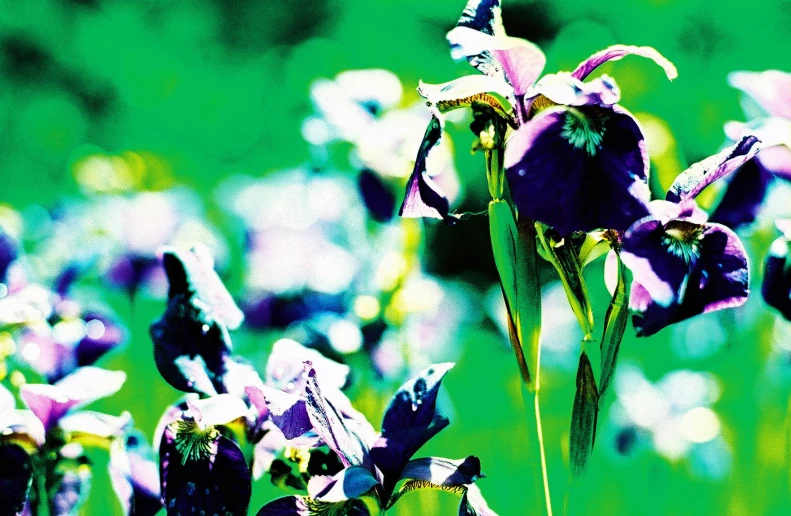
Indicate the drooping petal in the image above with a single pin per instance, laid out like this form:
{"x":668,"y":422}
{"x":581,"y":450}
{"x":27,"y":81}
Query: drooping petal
{"x":770,"y":89}
{"x":563,"y":89}
{"x":579,"y":169}
{"x":660,"y":266}
{"x":721,"y":276}
{"x":286,"y":410}
{"x":350,"y":483}
{"x":694,"y":179}
{"x":423,"y":197}
{"x":513,"y":60}
{"x":776,"y":286}
{"x":466,"y":91}
{"x":191,"y":273}
{"x":51,"y":402}
{"x":22,"y":427}
{"x":135,"y":476}
{"x":217,"y":410}
{"x":90,"y":426}
{"x":444,"y":471}
{"x":744,"y":195}
{"x":409,"y":422}
{"x":616,"y":52}
{"x":188,"y":329}
{"x":775,"y":136}
{"x":15,"y":476}
{"x":202,"y":470}
{"x":330,"y":426}
{"x":446,"y":475}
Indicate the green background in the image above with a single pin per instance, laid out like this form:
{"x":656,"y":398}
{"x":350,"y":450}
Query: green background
{"x":205,"y":89}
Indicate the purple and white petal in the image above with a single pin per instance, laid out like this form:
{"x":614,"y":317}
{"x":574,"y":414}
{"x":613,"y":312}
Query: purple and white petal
{"x":423,"y":197}
{"x":445,"y":472}
{"x":579,"y":169}
{"x":135,"y":476}
{"x":744,"y":196}
{"x":457,"y":93}
{"x":770,"y":90}
{"x":348,"y":484}
{"x":51,"y":402}
{"x":721,"y":275}
{"x":616,"y":52}
{"x":694,"y":179}
{"x":563,"y":89}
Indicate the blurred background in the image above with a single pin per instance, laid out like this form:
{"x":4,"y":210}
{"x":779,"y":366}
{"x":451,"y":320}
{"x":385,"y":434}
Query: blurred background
{"x":128,"y":125}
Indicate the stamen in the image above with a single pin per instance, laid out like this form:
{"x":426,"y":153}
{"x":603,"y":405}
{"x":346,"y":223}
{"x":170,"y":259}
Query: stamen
{"x":584,"y":131}
{"x":682,"y":240}
{"x":193,"y":442}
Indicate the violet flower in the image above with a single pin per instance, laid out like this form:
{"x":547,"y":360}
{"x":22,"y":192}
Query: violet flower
{"x":767,"y":105}
{"x":575,"y":161}
{"x":776,"y":285}
{"x":681,"y":264}
{"x":375,"y":466}
{"x":46,"y":439}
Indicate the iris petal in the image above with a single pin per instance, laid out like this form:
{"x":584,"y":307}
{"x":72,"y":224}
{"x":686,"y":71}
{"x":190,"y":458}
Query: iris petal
{"x":776,"y":286}
{"x":15,"y":476}
{"x":560,"y":176}
{"x":423,"y":197}
{"x":616,"y":52}
{"x":693,"y":180}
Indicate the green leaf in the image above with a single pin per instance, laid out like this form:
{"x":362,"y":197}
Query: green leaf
{"x":614,"y":327}
{"x":583,"y":418}
{"x":565,"y":258}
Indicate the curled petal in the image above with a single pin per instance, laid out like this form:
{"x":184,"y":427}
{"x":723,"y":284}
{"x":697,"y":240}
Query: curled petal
{"x":770,"y":89}
{"x":776,"y":286}
{"x":350,"y":483}
{"x":513,"y":60}
{"x":579,"y":169}
{"x":423,"y":197}
{"x":693,"y":180}
{"x":483,"y":16}
{"x":744,"y":195}
{"x":616,"y":52}
{"x":563,"y":89}
{"x":51,"y":402}
{"x":191,"y":273}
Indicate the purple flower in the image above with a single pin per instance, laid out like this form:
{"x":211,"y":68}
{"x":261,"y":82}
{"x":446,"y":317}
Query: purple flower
{"x":681,"y":264}
{"x":201,"y":469}
{"x":767,"y":104}
{"x":576,"y":161}
{"x":776,"y":285}
{"x":192,"y":345}
{"x":373,"y":467}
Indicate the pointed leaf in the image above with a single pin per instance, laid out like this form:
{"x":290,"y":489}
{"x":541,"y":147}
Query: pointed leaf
{"x":583,"y":418}
{"x":615,"y":322}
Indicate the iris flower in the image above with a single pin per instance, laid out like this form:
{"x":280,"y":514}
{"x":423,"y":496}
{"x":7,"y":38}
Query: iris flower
{"x":776,"y":286}
{"x":375,"y":466}
{"x":42,"y":446}
{"x":767,"y":105}
{"x":683,"y":265}
{"x":576,"y":160}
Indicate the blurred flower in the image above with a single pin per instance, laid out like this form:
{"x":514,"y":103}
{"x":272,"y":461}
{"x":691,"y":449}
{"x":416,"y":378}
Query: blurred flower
{"x":776,"y":283}
{"x":373,"y":467}
{"x":683,"y":265}
{"x":674,"y":414}
{"x":46,"y":440}
{"x":767,"y":105}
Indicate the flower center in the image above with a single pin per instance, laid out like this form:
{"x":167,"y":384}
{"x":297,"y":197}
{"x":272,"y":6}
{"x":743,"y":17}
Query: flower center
{"x":682,"y":240}
{"x":584,"y":130}
{"x":193,"y":442}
